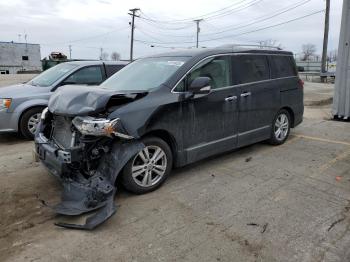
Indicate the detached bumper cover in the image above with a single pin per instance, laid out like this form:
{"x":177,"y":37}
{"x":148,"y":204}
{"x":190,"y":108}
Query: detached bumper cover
{"x":81,"y":195}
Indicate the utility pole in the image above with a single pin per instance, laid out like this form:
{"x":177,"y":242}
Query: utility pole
{"x":101,"y":50}
{"x":341,"y":100}
{"x":325,"y":40}
{"x":70,"y":51}
{"x":198,"y":30}
{"x":132,"y":23}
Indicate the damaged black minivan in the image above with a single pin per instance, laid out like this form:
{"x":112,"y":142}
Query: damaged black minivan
{"x":161,"y":112}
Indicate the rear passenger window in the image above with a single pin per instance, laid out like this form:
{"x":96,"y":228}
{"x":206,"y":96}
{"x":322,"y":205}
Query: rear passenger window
{"x":249,"y":68}
{"x":283,"y":66}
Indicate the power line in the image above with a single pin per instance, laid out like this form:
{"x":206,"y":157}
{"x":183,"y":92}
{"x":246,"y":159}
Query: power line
{"x":160,"y":26}
{"x":267,"y":27}
{"x":248,"y":32}
{"x":162,"y":46}
{"x":87,"y":38}
{"x":156,"y":23}
{"x":240,"y":26}
{"x":147,"y":34}
{"x":234,"y":11}
{"x":262,"y":18}
{"x":209,"y":15}
{"x":162,"y":34}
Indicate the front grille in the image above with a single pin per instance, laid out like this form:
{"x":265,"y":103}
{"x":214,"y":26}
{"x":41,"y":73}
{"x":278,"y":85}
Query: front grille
{"x":62,"y":131}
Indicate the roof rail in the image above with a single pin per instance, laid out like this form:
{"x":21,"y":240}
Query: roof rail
{"x":264,"y":47}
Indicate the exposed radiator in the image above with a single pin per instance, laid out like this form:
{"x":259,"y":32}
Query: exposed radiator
{"x":62,"y":131}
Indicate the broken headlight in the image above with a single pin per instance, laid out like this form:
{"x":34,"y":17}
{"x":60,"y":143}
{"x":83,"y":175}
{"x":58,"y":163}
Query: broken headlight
{"x":99,"y":127}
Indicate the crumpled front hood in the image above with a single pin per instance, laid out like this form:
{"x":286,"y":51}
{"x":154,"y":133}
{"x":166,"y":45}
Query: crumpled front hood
{"x":76,"y":100}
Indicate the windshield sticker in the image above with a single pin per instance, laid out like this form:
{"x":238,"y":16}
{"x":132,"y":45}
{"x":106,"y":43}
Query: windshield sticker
{"x":173,"y":63}
{"x":176,"y":63}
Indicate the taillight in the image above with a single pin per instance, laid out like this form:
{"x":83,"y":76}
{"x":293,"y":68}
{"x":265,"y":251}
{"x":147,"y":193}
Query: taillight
{"x":301,"y":83}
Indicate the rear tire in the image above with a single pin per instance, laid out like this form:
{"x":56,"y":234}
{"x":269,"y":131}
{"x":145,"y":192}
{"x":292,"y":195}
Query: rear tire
{"x":280,"y":128}
{"x":29,"y":121}
{"x":148,"y":169}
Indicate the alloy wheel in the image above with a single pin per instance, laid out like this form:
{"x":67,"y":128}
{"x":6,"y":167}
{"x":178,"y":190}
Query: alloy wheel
{"x":33,"y":122}
{"x":149,"y":166}
{"x":281,"y":127}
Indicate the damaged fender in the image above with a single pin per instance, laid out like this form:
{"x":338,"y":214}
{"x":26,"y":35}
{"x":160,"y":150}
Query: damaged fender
{"x":98,"y":192}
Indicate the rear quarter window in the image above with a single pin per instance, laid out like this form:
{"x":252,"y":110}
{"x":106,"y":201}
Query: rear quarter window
{"x":112,"y":69}
{"x":249,"y":68}
{"x":283,"y":66}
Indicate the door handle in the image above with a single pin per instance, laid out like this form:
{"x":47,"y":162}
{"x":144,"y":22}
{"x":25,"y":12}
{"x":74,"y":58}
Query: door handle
{"x":246,"y":94}
{"x":231,"y":98}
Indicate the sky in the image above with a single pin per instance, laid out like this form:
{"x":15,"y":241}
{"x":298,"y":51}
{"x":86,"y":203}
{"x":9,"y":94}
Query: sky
{"x":89,"y":25}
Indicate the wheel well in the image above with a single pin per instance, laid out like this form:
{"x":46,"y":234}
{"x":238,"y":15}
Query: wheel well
{"x":167,"y":137}
{"x":26,"y":110}
{"x":291,"y":113}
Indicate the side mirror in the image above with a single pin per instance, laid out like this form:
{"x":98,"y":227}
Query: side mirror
{"x":200,"y":85}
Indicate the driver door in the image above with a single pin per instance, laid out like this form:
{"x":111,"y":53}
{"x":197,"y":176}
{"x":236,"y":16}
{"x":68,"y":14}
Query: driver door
{"x":210,"y":120}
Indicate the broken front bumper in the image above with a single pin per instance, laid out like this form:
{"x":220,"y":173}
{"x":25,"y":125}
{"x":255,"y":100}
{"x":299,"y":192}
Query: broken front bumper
{"x":80,"y":194}
{"x":55,"y":159}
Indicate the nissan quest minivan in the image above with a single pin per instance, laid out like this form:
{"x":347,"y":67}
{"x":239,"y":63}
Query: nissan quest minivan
{"x":160,"y":112}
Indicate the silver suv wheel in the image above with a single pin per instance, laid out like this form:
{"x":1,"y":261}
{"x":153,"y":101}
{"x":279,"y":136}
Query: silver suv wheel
{"x":33,"y":122}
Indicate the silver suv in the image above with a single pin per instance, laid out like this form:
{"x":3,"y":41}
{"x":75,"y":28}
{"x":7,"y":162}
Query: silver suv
{"x":21,"y":105}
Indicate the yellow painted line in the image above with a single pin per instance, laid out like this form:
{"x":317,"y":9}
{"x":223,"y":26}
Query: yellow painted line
{"x":323,"y":140}
{"x":334,"y":160}
{"x":339,"y":157}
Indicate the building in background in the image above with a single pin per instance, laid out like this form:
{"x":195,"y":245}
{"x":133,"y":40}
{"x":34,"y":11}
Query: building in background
{"x":19,"y":58}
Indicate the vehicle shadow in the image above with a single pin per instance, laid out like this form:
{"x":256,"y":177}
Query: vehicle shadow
{"x":245,"y":153}
{"x":11,"y":138}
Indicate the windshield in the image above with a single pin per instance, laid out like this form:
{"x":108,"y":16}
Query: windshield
{"x":144,"y":74}
{"x":50,"y":76}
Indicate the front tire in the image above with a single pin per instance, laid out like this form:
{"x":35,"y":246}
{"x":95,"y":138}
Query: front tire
{"x":29,"y":122}
{"x":280,"y":128}
{"x":148,"y":169}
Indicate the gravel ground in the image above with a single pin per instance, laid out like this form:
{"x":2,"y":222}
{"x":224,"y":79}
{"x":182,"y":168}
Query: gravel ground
{"x":6,"y":80}
{"x":259,"y":203}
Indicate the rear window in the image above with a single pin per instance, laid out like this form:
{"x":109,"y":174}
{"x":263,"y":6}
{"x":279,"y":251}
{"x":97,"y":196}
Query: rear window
{"x":283,"y":66}
{"x":249,"y":68}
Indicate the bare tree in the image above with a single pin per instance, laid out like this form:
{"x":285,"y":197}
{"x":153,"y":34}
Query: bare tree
{"x":115,"y":56}
{"x":308,"y":51}
{"x":104,"y":56}
{"x":332,"y":55}
{"x":270,"y":42}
